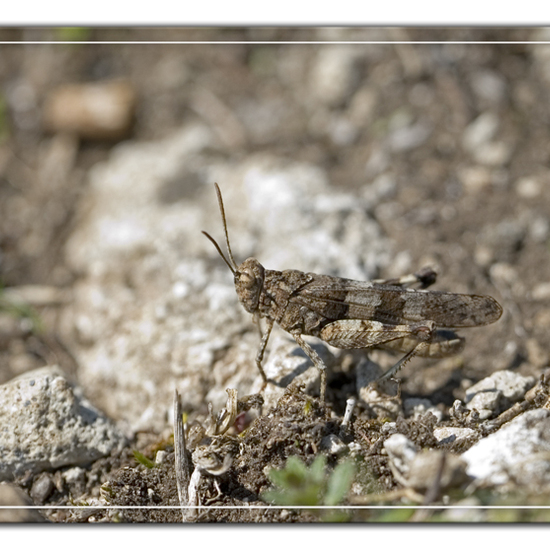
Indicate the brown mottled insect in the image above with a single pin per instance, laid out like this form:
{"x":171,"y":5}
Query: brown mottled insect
{"x":351,"y":314}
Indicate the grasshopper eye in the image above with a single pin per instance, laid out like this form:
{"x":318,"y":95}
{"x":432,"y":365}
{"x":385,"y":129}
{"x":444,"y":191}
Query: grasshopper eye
{"x":246,"y":278}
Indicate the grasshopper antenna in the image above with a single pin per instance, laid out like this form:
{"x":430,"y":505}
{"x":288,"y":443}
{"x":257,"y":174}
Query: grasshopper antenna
{"x":232,"y":266}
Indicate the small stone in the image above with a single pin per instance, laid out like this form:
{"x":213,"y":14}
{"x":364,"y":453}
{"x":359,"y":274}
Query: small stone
{"x":480,"y":131}
{"x":489,"y":86}
{"x":541,"y":291}
{"x":528,"y":187}
{"x":539,"y":229}
{"x":388,"y":427}
{"x":451,"y":435}
{"x":409,"y":137}
{"x":12,"y":496}
{"x":42,"y":488}
{"x":425,"y":467}
{"x":483,"y":255}
{"x":496,"y":392}
{"x":495,"y":153}
{"x":160,"y":457}
{"x":475,"y":178}
{"x":333,"y":444}
{"x":97,"y":111}
{"x":74,"y":475}
{"x":401,"y":451}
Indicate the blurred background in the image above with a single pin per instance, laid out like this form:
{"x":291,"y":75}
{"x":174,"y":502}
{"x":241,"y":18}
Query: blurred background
{"x":404,"y":154}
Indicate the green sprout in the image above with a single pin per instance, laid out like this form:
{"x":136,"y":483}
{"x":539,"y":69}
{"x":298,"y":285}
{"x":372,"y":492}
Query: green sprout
{"x":142,"y":459}
{"x":298,"y":485}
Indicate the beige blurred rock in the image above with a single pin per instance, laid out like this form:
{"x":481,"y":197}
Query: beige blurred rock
{"x":96,"y":111}
{"x":425,"y":467}
{"x":528,"y":187}
{"x":475,"y":178}
{"x":11,"y":495}
{"x":541,"y":291}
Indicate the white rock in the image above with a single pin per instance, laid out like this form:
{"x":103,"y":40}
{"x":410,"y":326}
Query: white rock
{"x":402,"y":452}
{"x":488,"y":394}
{"x":44,"y":424}
{"x":518,"y":452}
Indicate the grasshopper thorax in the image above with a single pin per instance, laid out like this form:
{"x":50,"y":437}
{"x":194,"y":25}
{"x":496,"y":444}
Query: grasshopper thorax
{"x":249,"y":282}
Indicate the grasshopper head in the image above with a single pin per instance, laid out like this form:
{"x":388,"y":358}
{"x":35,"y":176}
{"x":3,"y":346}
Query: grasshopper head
{"x":249,"y":276}
{"x":249,"y":282}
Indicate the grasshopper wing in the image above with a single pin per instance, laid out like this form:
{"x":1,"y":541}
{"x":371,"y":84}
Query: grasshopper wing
{"x":337,"y":298}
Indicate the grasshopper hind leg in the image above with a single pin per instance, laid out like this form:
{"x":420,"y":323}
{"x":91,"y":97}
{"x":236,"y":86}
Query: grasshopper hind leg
{"x":403,"y":361}
{"x":442,"y":343}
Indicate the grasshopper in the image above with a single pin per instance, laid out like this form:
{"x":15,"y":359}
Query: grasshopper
{"x":350,"y":314}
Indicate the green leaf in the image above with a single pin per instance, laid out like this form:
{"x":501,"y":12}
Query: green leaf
{"x":297,"y":484}
{"x":291,"y":475}
{"x":317,"y":469}
{"x":339,"y":483}
{"x":398,"y":515}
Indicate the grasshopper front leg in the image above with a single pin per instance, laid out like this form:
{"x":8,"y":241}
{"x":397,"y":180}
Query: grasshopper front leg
{"x":261,"y":351}
{"x":309,"y":351}
{"x":317,"y":361}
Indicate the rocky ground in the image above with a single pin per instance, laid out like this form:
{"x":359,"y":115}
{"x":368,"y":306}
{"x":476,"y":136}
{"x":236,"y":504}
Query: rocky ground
{"x":361,"y":161}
